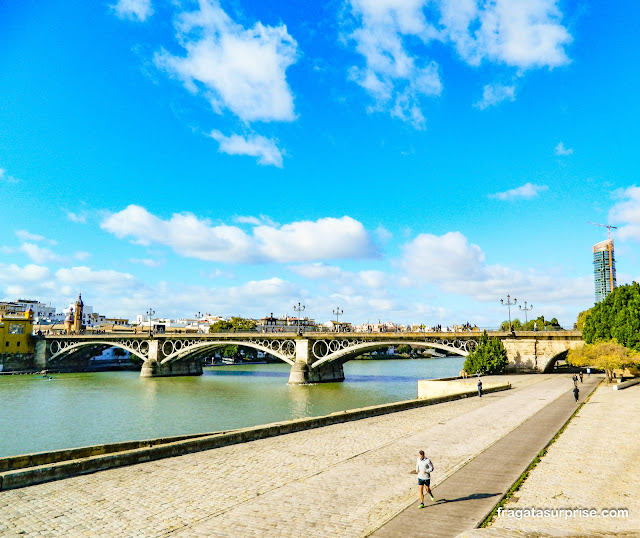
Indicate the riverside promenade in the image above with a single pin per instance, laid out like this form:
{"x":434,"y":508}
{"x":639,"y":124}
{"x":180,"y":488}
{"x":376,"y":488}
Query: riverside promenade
{"x":594,"y":464}
{"x":342,"y":480}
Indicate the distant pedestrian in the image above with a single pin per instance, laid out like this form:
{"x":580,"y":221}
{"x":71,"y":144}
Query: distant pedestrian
{"x":424,"y":468}
{"x":581,"y":377}
{"x":480,"y":388}
{"x":576,"y":392}
{"x":575,"y":380}
{"x":588,"y":372}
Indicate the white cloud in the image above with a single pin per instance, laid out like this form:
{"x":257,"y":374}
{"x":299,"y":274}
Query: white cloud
{"x":562,"y":151}
{"x":255,"y":221}
{"x":186,"y":234}
{"x":6,"y":178}
{"x":393,"y":77}
{"x":39,"y":254}
{"x":455,"y":266}
{"x":24,"y":235}
{"x":526,"y":191}
{"x":138,"y":10}
{"x":12,"y":273}
{"x":241,"y":69}
{"x":254,"y":145}
{"x":326,"y":238}
{"x":147,"y":262}
{"x":392,"y":35}
{"x":103,"y":278}
{"x":80,"y":218}
{"x":524,"y":34}
{"x":494,"y":94}
{"x":626,"y":213}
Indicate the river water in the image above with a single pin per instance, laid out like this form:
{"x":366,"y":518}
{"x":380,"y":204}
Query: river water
{"x":71,"y":410}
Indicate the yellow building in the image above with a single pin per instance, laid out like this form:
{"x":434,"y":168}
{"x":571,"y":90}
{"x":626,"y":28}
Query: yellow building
{"x":15,"y":333}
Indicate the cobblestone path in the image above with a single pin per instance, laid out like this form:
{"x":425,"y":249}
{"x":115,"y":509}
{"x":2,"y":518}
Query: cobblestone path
{"x":341,"y":480}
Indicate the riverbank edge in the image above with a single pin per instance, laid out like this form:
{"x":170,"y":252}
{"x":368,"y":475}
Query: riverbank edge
{"x":56,"y":465}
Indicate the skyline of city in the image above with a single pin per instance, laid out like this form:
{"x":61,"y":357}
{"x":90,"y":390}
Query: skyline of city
{"x":405,"y":162}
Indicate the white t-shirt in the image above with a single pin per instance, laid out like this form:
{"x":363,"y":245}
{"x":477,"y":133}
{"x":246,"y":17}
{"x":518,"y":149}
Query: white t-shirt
{"x":424,"y":468}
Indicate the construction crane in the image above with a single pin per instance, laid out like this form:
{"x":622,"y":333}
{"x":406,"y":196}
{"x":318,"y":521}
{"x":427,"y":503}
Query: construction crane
{"x":607,"y":226}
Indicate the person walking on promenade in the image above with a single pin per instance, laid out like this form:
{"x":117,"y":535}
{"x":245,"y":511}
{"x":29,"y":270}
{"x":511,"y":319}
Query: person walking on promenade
{"x":581,"y":377}
{"x":480,"y":388}
{"x":588,"y":372}
{"x":424,"y":468}
{"x":576,"y":392}
{"x":575,"y":380}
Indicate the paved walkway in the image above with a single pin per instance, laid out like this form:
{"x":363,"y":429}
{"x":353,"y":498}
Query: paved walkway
{"x":594,"y":464}
{"x":341,"y":480}
{"x":465,"y":498}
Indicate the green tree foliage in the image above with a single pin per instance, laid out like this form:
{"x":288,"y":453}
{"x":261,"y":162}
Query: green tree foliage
{"x":404,"y":349}
{"x":607,"y":356}
{"x":236,"y":324}
{"x":617,"y":317}
{"x":582,"y":317}
{"x":489,"y":357}
{"x":540,"y":324}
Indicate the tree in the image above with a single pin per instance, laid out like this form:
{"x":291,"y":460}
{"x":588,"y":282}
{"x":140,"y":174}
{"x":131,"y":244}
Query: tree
{"x":582,"y":317}
{"x":236,"y":324}
{"x":607,"y":356}
{"x":404,"y":349}
{"x":540,"y":325}
{"x":489,"y":357}
{"x":617,"y":317}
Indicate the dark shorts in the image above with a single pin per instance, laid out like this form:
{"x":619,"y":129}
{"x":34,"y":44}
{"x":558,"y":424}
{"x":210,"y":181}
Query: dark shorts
{"x":425,"y":482}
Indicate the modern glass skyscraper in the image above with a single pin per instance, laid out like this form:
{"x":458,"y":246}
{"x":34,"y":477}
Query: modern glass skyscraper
{"x":604,"y":269}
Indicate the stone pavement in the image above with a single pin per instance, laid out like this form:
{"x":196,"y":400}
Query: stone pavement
{"x":466,"y":497}
{"x":594,"y":464}
{"x":340,"y":480}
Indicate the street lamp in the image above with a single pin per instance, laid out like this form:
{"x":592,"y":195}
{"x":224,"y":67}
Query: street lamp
{"x":337,"y":313}
{"x":299,"y":309}
{"x":150,"y":313}
{"x":509,"y":304}
{"x":525,"y":310}
{"x":198,"y":316}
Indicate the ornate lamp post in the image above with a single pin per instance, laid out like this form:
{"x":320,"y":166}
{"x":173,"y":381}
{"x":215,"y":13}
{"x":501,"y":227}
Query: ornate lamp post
{"x":299,"y":309}
{"x":337,"y":313}
{"x":150,"y":313}
{"x":525,"y":310}
{"x":509,"y":303}
{"x":198,"y":316}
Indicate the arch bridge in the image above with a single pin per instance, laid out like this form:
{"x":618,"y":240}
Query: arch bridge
{"x":313,"y":357}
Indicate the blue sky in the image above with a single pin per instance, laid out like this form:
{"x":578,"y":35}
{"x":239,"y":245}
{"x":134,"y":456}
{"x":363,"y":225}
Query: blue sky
{"x":410,"y":160}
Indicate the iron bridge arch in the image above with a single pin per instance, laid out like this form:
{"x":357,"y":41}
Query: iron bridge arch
{"x":60,"y":349}
{"x":285,"y":350}
{"x":345,"y":350}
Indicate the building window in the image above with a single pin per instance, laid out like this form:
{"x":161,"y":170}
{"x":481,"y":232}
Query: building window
{"x":18,"y":344}
{"x":16,"y":328}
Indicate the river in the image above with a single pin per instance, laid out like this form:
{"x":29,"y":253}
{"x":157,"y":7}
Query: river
{"x":71,"y":410}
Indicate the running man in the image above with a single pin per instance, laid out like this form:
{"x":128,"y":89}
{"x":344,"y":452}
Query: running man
{"x":424,"y":468}
{"x":576,"y":392}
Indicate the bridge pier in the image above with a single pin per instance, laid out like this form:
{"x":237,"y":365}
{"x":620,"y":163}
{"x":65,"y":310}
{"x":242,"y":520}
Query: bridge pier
{"x":153,"y":367}
{"x":303,"y":373}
